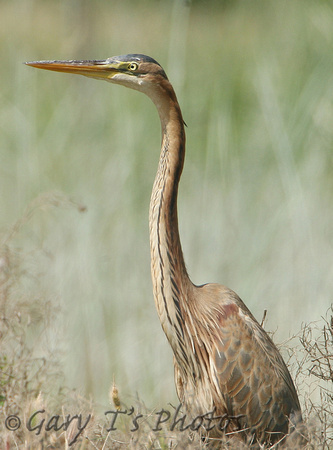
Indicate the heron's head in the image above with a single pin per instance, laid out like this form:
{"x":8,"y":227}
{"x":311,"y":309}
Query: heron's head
{"x":135,"y":71}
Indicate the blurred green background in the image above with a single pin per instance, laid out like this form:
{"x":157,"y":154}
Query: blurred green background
{"x":255,"y":83}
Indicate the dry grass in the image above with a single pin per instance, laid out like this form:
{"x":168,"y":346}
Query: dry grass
{"x":315,"y":376}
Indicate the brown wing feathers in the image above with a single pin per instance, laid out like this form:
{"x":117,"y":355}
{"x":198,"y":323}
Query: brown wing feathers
{"x":249,"y":378}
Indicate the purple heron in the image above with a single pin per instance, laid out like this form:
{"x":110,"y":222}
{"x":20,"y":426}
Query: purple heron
{"x":224,"y":360}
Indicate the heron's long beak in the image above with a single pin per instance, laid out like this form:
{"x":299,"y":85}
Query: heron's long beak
{"x":102,"y":69}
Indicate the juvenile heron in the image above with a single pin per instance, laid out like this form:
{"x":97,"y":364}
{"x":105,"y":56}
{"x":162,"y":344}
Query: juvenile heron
{"x":224,"y":361}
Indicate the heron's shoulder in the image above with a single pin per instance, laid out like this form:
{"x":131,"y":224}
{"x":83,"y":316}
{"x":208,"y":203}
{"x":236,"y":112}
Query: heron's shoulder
{"x":224,"y":304}
{"x":220,"y":295}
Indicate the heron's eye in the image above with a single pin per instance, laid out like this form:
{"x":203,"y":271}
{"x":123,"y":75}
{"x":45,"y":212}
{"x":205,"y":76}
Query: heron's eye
{"x":133,"y":67}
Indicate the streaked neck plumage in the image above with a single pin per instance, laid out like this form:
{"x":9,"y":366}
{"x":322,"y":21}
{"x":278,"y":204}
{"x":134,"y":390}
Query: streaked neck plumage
{"x":169,"y":275}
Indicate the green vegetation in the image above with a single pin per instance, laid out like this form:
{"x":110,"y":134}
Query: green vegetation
{"x":78,"y":159}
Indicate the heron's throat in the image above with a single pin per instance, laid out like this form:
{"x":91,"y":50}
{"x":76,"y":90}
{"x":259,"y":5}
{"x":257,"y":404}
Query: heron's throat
{"x":169,"y":275}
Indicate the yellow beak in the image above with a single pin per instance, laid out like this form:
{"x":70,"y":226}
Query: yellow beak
{"x":103,"y":69}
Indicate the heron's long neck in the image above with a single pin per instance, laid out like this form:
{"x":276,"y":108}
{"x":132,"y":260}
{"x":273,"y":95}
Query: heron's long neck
{"x":170,"y":279}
